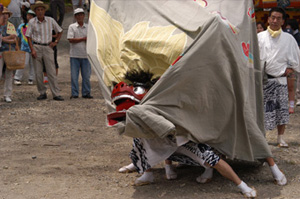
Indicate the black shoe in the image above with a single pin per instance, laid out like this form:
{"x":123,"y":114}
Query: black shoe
{"x":73,"y":96}
{"x":88,"y":96}
{"x":58,"y":98}
{"x":42,"y":97}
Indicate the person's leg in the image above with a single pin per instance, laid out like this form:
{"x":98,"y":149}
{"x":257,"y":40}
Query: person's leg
{"x":55,"y":57}
{"x":146,"y":178}
{"x":1,"y":65}
{"x":31,"y":68}
{"x":206,"y":176}
{"x":280,"y":141}
{"x":298,"y":90}
{"x":19,"y":75}
{"x":291,"y":90}
{"x":8,"y":85}
{"x":207,"y":158}
{"x":45,"y":73}
{"x":170,"y":170}
{"x":279,"y":177}
{"x":225,"y":170}
{"x":86,"y":75}
{"x":48,"y":58}
{"x":53,"y":7}
{"x":38,"y":67}
{"x":75,"y":66}
{"x":61,"y":9}
{"x":200,"y":158}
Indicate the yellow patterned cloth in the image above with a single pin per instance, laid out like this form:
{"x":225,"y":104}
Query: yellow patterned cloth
{"x":273,"y":33}
{"x":11,"y":29}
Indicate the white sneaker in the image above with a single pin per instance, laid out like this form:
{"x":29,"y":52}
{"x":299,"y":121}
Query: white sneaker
{"x":30,"y":82}
{"x":17,"y":82}
{"x":7,"y":99}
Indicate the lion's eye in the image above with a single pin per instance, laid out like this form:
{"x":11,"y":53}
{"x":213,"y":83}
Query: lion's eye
{"x":139,"y":90}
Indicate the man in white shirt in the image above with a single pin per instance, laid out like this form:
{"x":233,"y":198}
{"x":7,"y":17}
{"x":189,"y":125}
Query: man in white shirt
{"x":77,"y":35}
{"x":280,"y":53}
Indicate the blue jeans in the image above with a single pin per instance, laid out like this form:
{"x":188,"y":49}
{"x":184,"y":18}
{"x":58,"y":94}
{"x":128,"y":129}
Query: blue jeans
{"x":84,"y":65}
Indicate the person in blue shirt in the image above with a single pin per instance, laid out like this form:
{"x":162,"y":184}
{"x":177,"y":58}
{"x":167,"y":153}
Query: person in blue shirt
{"x":21,"y":31}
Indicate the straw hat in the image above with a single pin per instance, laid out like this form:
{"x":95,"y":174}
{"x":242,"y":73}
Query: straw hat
{"x":6,"y":11}
{"x":39,"y":4}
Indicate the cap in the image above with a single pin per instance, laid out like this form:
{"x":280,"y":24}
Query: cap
{"x":78,"y":10}
{"x":31,"y":12}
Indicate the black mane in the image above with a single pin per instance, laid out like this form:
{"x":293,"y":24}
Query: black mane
{"x":140,"y":77}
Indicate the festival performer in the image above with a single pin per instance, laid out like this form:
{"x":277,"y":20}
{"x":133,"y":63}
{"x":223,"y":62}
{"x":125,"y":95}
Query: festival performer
{"x":146,"y":153}
{"x":217,"y":58}
{"x":280,"y":53}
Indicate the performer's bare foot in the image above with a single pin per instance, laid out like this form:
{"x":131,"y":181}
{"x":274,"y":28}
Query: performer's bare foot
{"x":127,"y":169}
{"x":206,"y":176}
{"x":170,"y":172}
{"x":146,"y":178}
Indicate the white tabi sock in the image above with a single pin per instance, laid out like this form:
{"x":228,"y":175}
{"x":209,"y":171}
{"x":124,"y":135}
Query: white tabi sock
{"x":244,"y":187}
{"x":247,"y":191}
{"x":146,"y":178}
{"x":170,"y":172}
{"x":278,"y":175}
{"x":280,"y":139}
{"x":127,"y":169}
{"x":206,"y":176}
{"x":208,"y":173}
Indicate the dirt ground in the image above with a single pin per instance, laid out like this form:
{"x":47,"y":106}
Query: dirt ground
{"x":63,"y":150}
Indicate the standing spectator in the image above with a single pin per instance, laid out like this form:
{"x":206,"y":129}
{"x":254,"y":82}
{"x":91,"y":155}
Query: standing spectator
{"x":292,"y":28}
{"x":280,"y":52}
{"x":21,"y":31}
{"x":260,"y":26}
{"x":60,"y":6}
{"x":15,"y":7}
{"x":8,"y":37}
{"x":77,"y":4}
{"x":54,"y":35}
{"x":77,"y":34}
{"x":41,"y":47}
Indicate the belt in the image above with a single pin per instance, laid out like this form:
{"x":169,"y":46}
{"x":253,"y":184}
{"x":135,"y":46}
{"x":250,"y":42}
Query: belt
{"x":272,"y":77}
{"x":41,"y":44}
